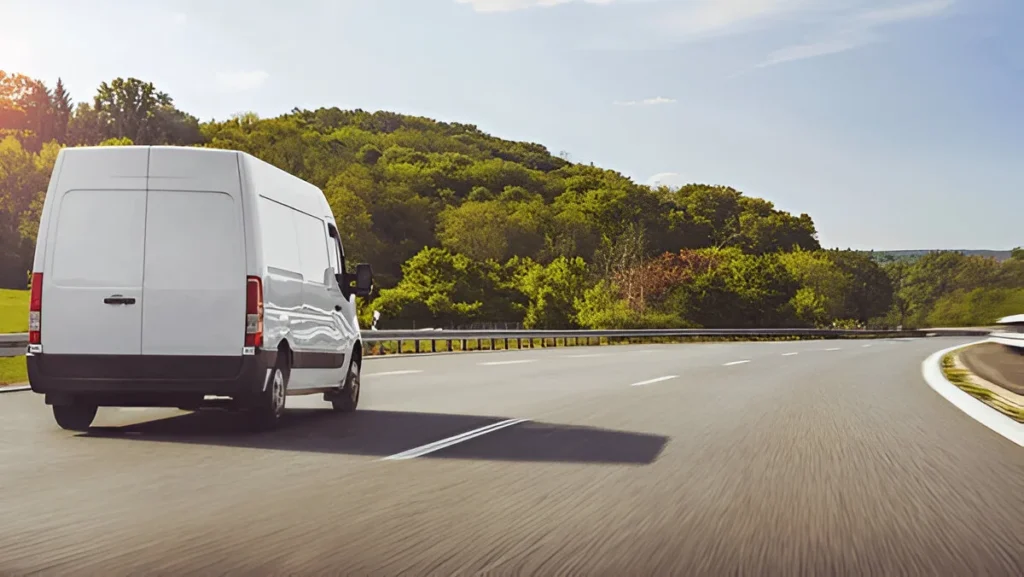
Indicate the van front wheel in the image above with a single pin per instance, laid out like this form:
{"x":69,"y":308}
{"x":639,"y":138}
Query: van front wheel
{"x":347,"y":399}
{"x":74,"y":417}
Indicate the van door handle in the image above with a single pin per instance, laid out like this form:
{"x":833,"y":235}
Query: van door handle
{"x":119,"y":300}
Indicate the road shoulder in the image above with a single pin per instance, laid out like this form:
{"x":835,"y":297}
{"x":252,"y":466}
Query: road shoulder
{"x":935,"y":375}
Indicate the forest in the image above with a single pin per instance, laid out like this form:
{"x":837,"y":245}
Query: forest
{"x":466,"y":229}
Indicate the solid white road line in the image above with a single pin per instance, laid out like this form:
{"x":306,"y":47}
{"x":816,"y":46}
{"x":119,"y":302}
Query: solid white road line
{"x":15,"y":389}
{"x":833,"y":349}
{"x":734,"y":363}
{"x":931,"y":368}
{"x":496,"y":363}
{"x":588,"y":356}
{"x":444,"y":443}
{"x":790,"y":354}
{"x":391,"y":373}
{"x":657,"y":380}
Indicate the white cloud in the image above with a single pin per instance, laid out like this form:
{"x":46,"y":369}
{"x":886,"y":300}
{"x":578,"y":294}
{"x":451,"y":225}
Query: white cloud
{"x":669,"y":179}
{"x":685,"y":17}
{"x":511,"y":5}
{"x":646,"y":102}
{"x":179,"y":18}
{"x":701,"y":18}
{"x":918,"y":11}
{"x":242,"y":81}
{"x":812,"y":50}
{"x":858,"y":31}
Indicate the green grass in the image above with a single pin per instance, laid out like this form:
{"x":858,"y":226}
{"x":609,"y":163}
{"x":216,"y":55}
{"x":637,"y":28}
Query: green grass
{"x":13,"y":311}
{"x":962,"y":379}
{"x":12,"y":371}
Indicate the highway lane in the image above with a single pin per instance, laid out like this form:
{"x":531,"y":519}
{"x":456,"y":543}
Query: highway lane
{"x":820,"y":462}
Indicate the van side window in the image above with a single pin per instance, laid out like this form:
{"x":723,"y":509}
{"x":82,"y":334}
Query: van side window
{"x":312,"y":237}
{"x":280,"y":243}
{"x":334,"y":244}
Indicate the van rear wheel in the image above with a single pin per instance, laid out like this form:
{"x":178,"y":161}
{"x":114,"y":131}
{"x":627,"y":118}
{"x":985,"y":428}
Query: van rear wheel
{"x":265,"y":409}
{"x":75,"y":417}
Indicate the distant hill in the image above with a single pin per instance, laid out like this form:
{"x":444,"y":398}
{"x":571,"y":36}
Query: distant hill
{"x":999,"y":255}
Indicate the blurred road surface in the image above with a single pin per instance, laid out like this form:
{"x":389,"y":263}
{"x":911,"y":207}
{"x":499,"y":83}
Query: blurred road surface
{"x":797,"y":458}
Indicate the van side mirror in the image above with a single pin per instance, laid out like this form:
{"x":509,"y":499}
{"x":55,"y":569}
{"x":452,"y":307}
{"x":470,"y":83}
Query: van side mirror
{"x":364,"y":280}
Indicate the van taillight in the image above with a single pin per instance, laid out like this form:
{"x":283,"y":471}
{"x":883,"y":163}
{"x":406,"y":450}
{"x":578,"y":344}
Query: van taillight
{"x":35,"y":310}
{"x":254,"y":312}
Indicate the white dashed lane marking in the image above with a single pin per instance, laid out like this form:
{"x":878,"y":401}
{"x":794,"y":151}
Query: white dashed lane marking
{"x":392,"y":373}
{"x":734,"y":363}
{"x":652,"y":381}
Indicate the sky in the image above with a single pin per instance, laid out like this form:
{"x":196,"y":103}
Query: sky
{"x":896,"y":124}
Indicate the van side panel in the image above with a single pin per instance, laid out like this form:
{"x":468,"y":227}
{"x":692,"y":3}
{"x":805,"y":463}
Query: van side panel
{"x":195,"y":265}
{"x":282,"y":277}
{"x":93,"y":238}
{"x":298,"y":304}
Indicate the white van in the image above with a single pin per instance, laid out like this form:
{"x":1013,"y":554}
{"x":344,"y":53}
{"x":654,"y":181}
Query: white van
{"x":165,"y":275}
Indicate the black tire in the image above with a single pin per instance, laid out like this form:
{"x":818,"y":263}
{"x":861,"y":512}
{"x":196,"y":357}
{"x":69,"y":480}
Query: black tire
{"x":76,"y":417}
{"x":266,"y":408}
{"x":347,"y":399}
{"x":192,"y":404}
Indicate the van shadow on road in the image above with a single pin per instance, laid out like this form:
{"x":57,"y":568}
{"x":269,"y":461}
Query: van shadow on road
{"x":384,"y":433}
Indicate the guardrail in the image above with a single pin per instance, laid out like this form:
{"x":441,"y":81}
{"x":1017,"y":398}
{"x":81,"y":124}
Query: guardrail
{"x":1012,"y":334}
{"x":15,"y":344}
{"x":585,"y":337}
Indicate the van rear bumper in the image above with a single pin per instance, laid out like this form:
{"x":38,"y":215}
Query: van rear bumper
{"x":149,"y":380}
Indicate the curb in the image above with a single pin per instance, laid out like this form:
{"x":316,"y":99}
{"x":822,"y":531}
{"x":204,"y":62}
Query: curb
{"x":999,"y":423}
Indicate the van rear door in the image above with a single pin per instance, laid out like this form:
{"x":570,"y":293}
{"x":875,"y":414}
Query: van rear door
{"x":195,"y":267}
{"x":92,"y":276}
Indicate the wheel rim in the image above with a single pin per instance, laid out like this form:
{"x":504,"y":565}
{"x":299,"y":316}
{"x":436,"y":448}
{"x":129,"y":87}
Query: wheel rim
{"x":277,"y":392}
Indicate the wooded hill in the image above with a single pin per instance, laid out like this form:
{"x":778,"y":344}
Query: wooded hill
{"x":462,"y":227}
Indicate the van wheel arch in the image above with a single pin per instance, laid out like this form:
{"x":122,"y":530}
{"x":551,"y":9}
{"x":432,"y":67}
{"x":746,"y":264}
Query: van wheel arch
{"x":283,"y":348}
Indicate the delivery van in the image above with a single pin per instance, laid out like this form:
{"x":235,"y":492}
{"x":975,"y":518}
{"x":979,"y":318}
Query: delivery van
{"x":174,"y":277}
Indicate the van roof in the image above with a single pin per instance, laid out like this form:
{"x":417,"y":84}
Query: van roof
{"x":292,"y":191}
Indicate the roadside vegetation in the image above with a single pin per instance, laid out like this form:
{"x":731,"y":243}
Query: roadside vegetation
{"x":465,"y":229}
{"x":13,"y":311}
{"x":12,"y":371}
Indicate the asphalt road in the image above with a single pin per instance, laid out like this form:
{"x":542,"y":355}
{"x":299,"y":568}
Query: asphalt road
{"x":812,"y":458}
{"x":996,"y":364}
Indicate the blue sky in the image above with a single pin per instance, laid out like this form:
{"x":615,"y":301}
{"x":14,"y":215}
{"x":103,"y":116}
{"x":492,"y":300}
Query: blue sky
{"x":895,"y":124}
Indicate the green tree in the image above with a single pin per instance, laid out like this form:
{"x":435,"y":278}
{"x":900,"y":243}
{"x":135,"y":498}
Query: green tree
{"x":137,"y":110}
{"x":869,"y":293}
{"x":823,"y":289}
{"x":62,"y":107}
{"x":552,"y":291}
